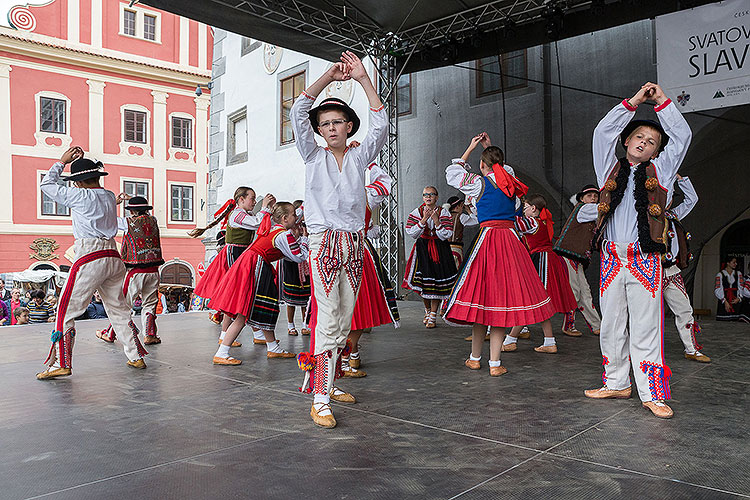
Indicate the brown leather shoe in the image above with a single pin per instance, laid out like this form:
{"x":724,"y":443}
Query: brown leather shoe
{"x":549,"y":349}
{"x":53,"y":373}
{"x":230,"y":361}
{"x":472,"y":364}
{"x":496,"y":371}
{"x":595,"y":332}
{"x":104,"y":335}
{"x":234,"y":344}
{"x":353,"y":372}
{"x":607,"y":393}
{"x":282,"y":354}
{"x":354,"y":362}
{"x":470,"y":337}
{"x":659,"y":409}
{"x":258,"y":341}
{"x":305,"y":331}
{"x":138,"y":363}
{"x":151,"y":339}
{"x":326,"y":421}
{"x":510,"y":347}
{"x":698,"y":356}
{"x":574,"y":332}
{"x":341,"y":396}
{"x":524,"y":334}
{"x":293,"y":332}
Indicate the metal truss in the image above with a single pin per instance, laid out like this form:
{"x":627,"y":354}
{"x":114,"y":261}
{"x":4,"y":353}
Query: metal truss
{"x":390,"y":235}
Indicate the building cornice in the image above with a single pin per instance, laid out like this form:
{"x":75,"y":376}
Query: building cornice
{"x":55,"y":50}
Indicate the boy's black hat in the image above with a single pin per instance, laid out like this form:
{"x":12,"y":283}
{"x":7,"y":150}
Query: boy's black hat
{"x":334,"y":103}
{"x":138,"y":203}
{"x":588,"y":188}
{"x":647,"y":123}
{"x":83,"y":168}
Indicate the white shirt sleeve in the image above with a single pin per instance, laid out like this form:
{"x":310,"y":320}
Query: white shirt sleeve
{"x":718,"y":287}
{"x":588,"y":212}
{"x":414,"y":227}
{"x":691,"y":199}
{"x":743,"y":286}
{"x":606,"y":135}
{"x":469,"y":219}
{"x":242,"y":220}
{"x":377,"y":134}
{"x":525,"y":225}
{"x":122,"y":224}
{"x":457,"y":175}
{"x":68,"y":196}
{"x":678,"y":130}
{"x":303,"y":132}
{"x":444,"y":231}
{"x":294,"y":249}
{"x":379,"y":187}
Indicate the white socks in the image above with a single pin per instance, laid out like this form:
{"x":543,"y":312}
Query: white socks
{"x":509,"y":340}
{"x":274,"y":346}
{"x":258,"y":334}
{"x":549,"y":341}
{"x":223,"y":334}
{"x":318,"y":401}
{"x":223,"y":351}
{"x":354,"y":355}
{"x":471,"y":357}
{"x":291,"y":326}
{"x":494,"y":364}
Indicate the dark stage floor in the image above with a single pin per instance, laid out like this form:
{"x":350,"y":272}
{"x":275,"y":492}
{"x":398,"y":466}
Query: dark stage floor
{"x":424,"y":427}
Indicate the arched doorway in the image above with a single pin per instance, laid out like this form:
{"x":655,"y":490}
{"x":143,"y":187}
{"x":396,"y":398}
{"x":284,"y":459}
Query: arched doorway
{"x":736,"y":243}
{"x":41,"y":266}
{"x":177,"y":273}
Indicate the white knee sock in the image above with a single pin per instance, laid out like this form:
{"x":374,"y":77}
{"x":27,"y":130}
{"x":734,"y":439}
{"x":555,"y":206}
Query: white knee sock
{"x":495,"y":363}
{"x":548,"y":341}
{"x":223,"y":334}
{"x":258,"y":334}
{"x":223,"y":351}
{"x":273,"y":346}
{"x":509,"y":340}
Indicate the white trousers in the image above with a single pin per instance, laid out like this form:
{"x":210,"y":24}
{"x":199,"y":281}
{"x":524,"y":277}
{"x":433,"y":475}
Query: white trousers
{"x":677,"y":299}
{"x":336,"y":268}
{"x":631,"y":300}
{"x":98,"y":266}
{"x":147,"y":286}
{"x":582,"y":293}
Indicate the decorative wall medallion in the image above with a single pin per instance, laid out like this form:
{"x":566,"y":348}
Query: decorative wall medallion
{"x":21,"y":19}
{"x":271,"y":57}
{"x":43,"y":248}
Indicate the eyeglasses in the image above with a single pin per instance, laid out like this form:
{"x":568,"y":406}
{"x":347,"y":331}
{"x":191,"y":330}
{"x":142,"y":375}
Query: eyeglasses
{"x":335,"y":123}
{"x":429,"y":194}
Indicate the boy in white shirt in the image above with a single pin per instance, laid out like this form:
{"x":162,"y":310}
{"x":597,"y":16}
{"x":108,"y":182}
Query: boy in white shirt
{"x":98,"y":265}
{"x":335,"y":201}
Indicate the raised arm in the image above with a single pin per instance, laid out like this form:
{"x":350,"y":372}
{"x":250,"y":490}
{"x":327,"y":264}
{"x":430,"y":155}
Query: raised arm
{"x":61,"y":194}
{"x":678,"y":130}
{"x":294,"y":249}
{"x":457,"y":175}
{"x":377,"y":131}
{"x":606,"y":135}
{"x":691,"y":198}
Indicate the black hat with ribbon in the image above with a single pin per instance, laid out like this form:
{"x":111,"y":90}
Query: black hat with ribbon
{"x":83,"y":168}
{"x":334,"y":104}
{"x":138,"y":203}
{"x":589,"y":188}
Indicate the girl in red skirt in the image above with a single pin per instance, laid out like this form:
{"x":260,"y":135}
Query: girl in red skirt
{"x":376,"y":302}
{"x":249,"y":291}
{"x":237,"y":217}
{"x":551,"y":270}
{"x":497,"y":285}
{"x":294,"y":282}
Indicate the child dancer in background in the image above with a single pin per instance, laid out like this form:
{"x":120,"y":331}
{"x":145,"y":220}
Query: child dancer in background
{"x":240,"y":223}
{"x":376,"y":302}
{"x":294,"y":282}
{"x":550,"y":268}
{"x":249,"y":291}
{"x":461,"y":216}
{"x":514,"y":295}
{"x":430,"y":270}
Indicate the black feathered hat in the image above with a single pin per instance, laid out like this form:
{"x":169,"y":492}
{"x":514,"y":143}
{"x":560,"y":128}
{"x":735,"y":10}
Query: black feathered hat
{"x":138,"y":203}
{"x":644,"y":123}
{"x":83,"y":168}
{"x":334,"y":103}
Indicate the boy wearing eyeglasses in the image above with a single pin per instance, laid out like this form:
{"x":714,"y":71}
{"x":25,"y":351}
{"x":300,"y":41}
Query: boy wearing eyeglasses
{"x":335,"y":204}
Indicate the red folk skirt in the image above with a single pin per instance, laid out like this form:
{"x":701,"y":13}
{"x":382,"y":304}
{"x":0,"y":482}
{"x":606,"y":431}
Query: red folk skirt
{"x":554,"y":275}
{"x":498,"y":285}
{"x":376,"y":302}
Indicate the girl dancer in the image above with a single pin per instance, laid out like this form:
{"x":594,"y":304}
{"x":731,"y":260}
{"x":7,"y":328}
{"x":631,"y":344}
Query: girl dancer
{"x":249,"y":291}
{"x":294,"y":282}
{"x":430,"y":270}
{"x":461,"y":216}
{"x":550,"y":267}
{"x":514,"y":295}
{"x":237,"y":217}
{"x":376,"y":302}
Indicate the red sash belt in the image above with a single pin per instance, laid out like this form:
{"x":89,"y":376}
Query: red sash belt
{"x":502,"y":224}
{"x":432,"y":247}
{"x":729,"y":295}
{"x":136,"y":270}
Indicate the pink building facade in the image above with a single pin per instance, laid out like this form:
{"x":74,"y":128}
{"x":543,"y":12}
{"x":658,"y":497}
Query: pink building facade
{"x":119,"y":81}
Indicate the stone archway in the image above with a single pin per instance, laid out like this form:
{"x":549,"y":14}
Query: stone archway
{"x":735,"y":242}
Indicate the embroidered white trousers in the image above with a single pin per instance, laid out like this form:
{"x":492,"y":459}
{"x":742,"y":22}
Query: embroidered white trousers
{"x":97,"y":267}
{"x":676,"y":297}
{"x":147,"y":286}
{"x":631,"y":300}
{"x":582,"y":293}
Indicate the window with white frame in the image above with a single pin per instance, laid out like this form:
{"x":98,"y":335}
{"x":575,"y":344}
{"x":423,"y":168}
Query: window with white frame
{"x":50,"y":206}
{"x":129,"y":22}
{"x":135,"y":188}
{"x":181,"y":203}
{"x":182,"y":132}
{"x":237,"y":137}
{"x":135,"y":126}
{"x":149,"y":27}
{"x":52,"y":115}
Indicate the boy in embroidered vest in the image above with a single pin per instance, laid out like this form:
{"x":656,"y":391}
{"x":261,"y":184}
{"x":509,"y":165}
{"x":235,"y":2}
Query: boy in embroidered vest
{"x":631,"y":228}
{"x":574,"y":246}
{"x":335,"y":201}
{"x":141,"y":253}
{"x":98,"y":265}
{"x":676,"y":259}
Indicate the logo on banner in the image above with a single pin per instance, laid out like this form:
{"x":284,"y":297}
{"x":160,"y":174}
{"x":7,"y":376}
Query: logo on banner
{"x":718,"y":94}
{"x":683,"y":98}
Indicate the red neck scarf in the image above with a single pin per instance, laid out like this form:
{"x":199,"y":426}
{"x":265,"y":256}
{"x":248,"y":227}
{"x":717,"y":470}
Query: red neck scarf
{"x":509,"y":185}
{"x":546,"y":217}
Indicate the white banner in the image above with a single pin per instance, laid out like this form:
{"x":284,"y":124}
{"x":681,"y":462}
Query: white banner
{"x":703,"y":55}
